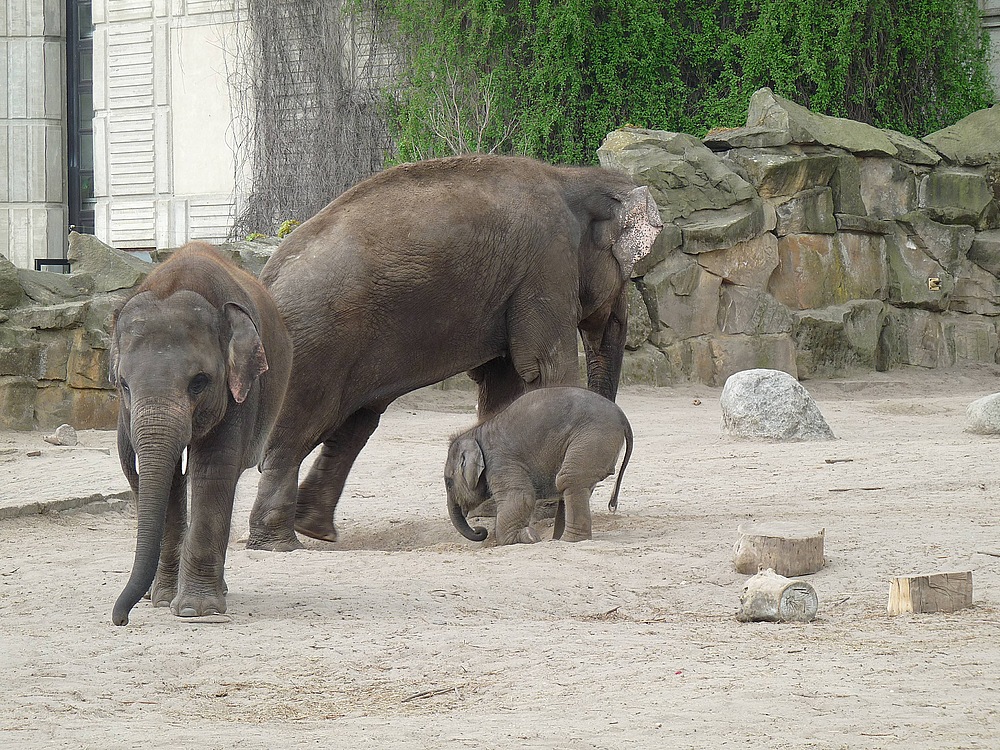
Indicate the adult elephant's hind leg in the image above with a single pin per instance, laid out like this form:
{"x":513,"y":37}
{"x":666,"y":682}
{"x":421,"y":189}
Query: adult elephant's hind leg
{"x":499,"y":384}
{"x":320,"y":491}
{"x":272,"y":520}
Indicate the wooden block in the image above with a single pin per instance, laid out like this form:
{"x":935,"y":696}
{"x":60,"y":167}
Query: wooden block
{"x":786,"y":548}
{"x":937,"y":592}
{"x":768,"y":597}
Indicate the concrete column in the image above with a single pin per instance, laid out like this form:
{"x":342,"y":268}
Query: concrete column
{"x":32,"y":131}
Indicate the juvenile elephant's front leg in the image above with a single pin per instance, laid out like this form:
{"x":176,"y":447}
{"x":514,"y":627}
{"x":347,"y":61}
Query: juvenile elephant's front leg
{"x":513,"y":514}
{"x":201,"y":588}
{"x":164,"y":587}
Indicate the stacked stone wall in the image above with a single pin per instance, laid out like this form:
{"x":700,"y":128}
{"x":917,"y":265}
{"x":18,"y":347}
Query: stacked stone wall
{"x":814,"y":245}
{"x":55,"y":333}
{"x":809,"y":244}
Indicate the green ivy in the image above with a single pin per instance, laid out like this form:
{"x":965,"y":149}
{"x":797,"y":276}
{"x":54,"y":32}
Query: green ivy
{"x":560,"y":74}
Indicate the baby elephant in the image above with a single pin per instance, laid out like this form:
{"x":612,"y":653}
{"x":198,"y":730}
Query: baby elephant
{"x":557,"y":440}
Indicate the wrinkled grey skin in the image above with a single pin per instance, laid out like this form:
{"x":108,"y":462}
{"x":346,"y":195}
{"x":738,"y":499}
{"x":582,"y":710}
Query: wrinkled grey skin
{"x":549,"y":442}
{"x":494,"y":266}
{"x":200,"y":358}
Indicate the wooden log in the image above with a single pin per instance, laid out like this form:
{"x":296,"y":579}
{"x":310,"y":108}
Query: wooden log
{"x":936,"y":592}
{"x":786,"y":548}
{"x":768,"y":597}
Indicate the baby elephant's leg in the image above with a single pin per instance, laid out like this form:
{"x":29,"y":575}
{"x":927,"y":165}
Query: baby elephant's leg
{"x":578,"y":520}
{"x":513,"y":514}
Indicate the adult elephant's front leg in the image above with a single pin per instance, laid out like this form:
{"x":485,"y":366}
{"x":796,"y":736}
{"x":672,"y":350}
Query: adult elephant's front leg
{"x":201,"y":586}
{"x":604,"y":344}
{"x":320,"y":491}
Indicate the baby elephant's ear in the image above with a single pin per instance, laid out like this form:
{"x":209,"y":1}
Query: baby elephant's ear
{"x":245,"y":360}
{"x":473,"y":463}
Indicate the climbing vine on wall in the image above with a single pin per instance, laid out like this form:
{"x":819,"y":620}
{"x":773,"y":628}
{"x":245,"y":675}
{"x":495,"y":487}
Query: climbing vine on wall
{"x":309,"y":110}
{"x":551,"y":77}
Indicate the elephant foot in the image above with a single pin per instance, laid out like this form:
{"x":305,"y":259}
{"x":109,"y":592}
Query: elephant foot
{"x":273,"y":541}
{"x":161,"y":593}
{"x":576,"y":536}
{"x":526,"y":535}
{"x":316,"y":529}
{"x":198,"y":606}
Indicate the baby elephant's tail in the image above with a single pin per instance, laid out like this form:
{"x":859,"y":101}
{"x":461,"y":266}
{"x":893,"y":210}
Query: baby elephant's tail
{"x":613,"y":502}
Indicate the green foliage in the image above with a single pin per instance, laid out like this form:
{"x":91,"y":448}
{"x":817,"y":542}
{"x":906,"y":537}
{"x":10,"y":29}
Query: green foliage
{"x":287,"y":227}
{"x":255,"y":236}
{"x":551,"y":78}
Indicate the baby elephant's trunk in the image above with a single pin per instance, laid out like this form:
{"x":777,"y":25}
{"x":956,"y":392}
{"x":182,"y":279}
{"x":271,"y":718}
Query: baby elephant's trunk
{"x":477,"y":534}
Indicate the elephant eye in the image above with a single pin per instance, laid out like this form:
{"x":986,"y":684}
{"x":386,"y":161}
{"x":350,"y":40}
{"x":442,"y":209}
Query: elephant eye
{"x":199,"y":383}
{"x":125,"y":389}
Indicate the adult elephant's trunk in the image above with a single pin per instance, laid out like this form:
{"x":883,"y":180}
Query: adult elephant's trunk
{"x":477,"y":534}
{"x":161,"y":430}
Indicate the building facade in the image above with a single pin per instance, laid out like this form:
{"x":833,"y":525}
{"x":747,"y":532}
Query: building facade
{"x":115,"y":120}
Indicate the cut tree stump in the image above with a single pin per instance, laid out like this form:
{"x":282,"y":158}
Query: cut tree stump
{"x":937,"y":592}
{"x":786,"y":548}
{"x":768,"y":597}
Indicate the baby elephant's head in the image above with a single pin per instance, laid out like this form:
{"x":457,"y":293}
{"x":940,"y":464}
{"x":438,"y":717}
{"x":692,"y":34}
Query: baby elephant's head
{"x":465,"y":483}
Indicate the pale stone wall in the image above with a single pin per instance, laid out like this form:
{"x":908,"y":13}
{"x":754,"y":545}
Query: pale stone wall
{"x":32,"y":132}
{"x":164,"y":167}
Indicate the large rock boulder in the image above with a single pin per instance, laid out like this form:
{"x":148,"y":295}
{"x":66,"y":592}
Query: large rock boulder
{"x":807,"y":212}
{"x":833,"y":341}
{"x":769,"y":110}
{"x":955,"y":196}
{"x":764,"y":404}
{"x":47,"y":288}
{"x":982,"y":417}
{"x":111,"y":269}
{"x":682,"y":173}
{"x":972,"y":141}
{"x":782,"y":172}
{"x":11,"y":292}
{"x":704,"y":231}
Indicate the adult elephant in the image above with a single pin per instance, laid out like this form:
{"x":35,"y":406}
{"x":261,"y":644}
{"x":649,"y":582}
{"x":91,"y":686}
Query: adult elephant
{"x":482,"y":264}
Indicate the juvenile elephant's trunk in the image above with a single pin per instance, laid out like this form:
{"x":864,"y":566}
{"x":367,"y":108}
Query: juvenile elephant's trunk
{"x":477,"y":534}
{"x":160,"y":432}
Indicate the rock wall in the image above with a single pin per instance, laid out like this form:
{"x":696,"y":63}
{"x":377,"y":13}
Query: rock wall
{"x":55,"y":333}
{"x":809,"y":244}
{"x":814,"y":245}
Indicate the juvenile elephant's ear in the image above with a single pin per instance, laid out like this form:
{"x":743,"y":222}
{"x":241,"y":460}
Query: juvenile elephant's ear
{"x":639,"y":222}
{"x":246,"y":360}
{"x":473,"y":463}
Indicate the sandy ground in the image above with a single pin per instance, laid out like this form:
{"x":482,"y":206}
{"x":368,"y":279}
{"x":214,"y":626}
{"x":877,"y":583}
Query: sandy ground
{"x":406,"y":635}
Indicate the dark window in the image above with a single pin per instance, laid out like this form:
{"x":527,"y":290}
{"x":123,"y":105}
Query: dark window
{"x":80,"y":111}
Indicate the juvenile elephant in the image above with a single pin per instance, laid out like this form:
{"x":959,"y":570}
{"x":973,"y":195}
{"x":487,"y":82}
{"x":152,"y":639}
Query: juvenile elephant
{"x":201,"y":359}
{"x":483,"y":264}
{"x":549,"y":442}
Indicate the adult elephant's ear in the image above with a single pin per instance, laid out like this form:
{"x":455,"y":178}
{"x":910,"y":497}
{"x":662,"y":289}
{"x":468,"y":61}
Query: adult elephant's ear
{"x":639,"y":222}
{"x":245,"y":361}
